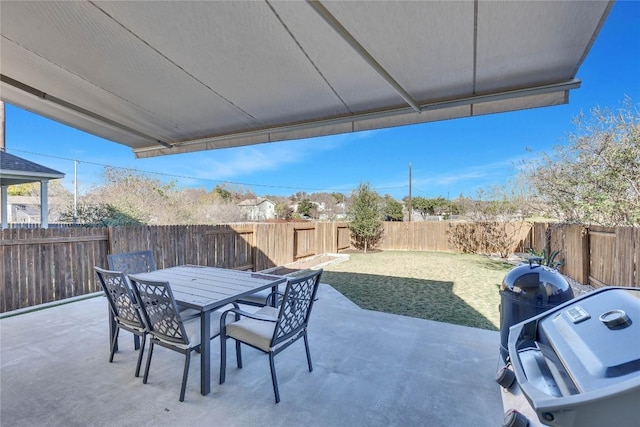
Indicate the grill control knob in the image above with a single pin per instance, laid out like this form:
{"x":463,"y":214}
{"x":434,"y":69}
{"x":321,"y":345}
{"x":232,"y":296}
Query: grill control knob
{"x":513,"y":418}
{"x":615,"y":319}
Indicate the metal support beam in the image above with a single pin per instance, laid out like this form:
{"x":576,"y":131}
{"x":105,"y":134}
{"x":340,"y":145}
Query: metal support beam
{"x":75,"y":109}
{"x":500,"y":96}
{"x":360,"y":50}
{"x":352,"y":118}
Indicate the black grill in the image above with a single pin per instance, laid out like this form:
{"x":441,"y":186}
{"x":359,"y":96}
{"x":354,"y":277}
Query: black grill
{"x":528,"y":290}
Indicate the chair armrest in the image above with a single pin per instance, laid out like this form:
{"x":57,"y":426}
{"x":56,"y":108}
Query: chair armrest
{"x":272,"y":296}
{"x":238,"y":312}
{"x":256,"y":316}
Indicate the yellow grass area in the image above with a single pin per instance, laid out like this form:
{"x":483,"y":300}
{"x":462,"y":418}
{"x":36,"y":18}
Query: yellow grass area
{"x":454,"y":288}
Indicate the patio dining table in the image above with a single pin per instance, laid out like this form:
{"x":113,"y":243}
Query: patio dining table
{"x":207,"y":289}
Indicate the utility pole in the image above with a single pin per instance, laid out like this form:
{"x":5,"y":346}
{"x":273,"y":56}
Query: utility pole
{"x":410,"y":207}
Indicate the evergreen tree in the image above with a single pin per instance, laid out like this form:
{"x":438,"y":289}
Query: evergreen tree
{"x":366,"y":217}
{"x":392,"y":209}
{"x":304,"y":207}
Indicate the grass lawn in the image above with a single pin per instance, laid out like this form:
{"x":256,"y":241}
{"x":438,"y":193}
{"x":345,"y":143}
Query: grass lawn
{"x":453,"y":288}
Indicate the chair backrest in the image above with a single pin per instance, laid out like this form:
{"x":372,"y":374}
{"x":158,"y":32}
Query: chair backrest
{"x":132,"y":262}
{"x":160,"y":309}
{"x":120,"y":297}
{"x":295,"y":308}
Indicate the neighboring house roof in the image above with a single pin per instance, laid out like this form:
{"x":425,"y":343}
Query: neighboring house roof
{"x":23,"y":200}
{"x":16,"y":170}
{"x":254,"y":202}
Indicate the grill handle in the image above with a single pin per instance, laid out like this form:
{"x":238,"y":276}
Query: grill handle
{"x":518,"y":333}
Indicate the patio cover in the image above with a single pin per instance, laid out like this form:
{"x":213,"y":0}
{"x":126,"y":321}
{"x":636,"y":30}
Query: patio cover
{"x":171,"y":77}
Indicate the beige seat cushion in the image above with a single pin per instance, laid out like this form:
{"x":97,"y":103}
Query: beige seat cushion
{"x":192,"y":328}
{"x":257,"y":333}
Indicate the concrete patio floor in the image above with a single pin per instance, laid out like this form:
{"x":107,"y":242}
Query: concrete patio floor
{"x":370,"y":369}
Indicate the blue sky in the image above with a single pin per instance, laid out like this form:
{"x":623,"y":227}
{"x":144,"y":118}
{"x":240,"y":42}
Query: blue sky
{"x":448,"y":158}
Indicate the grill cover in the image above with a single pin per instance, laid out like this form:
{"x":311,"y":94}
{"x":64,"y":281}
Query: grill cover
{"x":579,"y":363}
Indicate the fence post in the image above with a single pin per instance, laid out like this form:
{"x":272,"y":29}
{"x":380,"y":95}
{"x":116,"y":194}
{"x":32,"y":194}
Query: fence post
{"x":586,"y":255}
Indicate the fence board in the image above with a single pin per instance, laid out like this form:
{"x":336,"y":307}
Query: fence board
{"x":627,"y":256}
{"x":343,"y":238}
{"x":540,"y":239}
{"x":602,"y":247}
{"x":575,"y":252}
{"x":304,"y":241}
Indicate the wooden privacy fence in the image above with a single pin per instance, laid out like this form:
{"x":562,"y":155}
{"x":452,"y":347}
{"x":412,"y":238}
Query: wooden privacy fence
{"x":416,"y":236}
{"x":594,"y":255}
{"x":44,"y":265}
{"x":615,"y":256}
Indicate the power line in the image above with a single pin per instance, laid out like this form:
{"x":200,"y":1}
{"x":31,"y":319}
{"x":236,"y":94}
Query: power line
{"x":197,"y":179}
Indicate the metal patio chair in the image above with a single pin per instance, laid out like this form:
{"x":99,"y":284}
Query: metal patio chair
{"x":270,"y":329}
{"x":132,"y":262}
{"x":125,"y":311}
{"x":168,"y":327}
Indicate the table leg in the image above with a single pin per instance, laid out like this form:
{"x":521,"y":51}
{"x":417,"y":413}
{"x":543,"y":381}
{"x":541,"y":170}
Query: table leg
{"x":276,"y":297}
{"x":205,"y":350}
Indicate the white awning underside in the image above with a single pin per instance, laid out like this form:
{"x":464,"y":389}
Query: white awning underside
{"x":171,"y":77}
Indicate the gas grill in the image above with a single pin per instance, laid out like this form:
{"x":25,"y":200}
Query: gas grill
{"x":578,"y":364}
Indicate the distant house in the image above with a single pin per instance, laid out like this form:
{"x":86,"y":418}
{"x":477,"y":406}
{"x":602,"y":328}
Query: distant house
{"x":27,"y":210}
{"x":258,"y":209}
{"x":23,"y":209}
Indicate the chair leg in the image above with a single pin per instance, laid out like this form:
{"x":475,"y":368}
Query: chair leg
{"x":185,"y":375}
{"x":140,"y":353}
{"x":238,"y":354}
{"x":146,"y":369}
{"x":274,"y":380}
{"x":306,"y":346}
{"x":114,"y":344}
{"x":223,"y":358}
{"x":113,"y":328}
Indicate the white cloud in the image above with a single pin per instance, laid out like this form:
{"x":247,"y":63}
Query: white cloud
{"x":229,"y":164}
{"x":455,"y":181}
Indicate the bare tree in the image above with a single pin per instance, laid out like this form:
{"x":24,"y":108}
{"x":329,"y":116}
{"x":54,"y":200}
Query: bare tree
{"x":595,"y":177}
